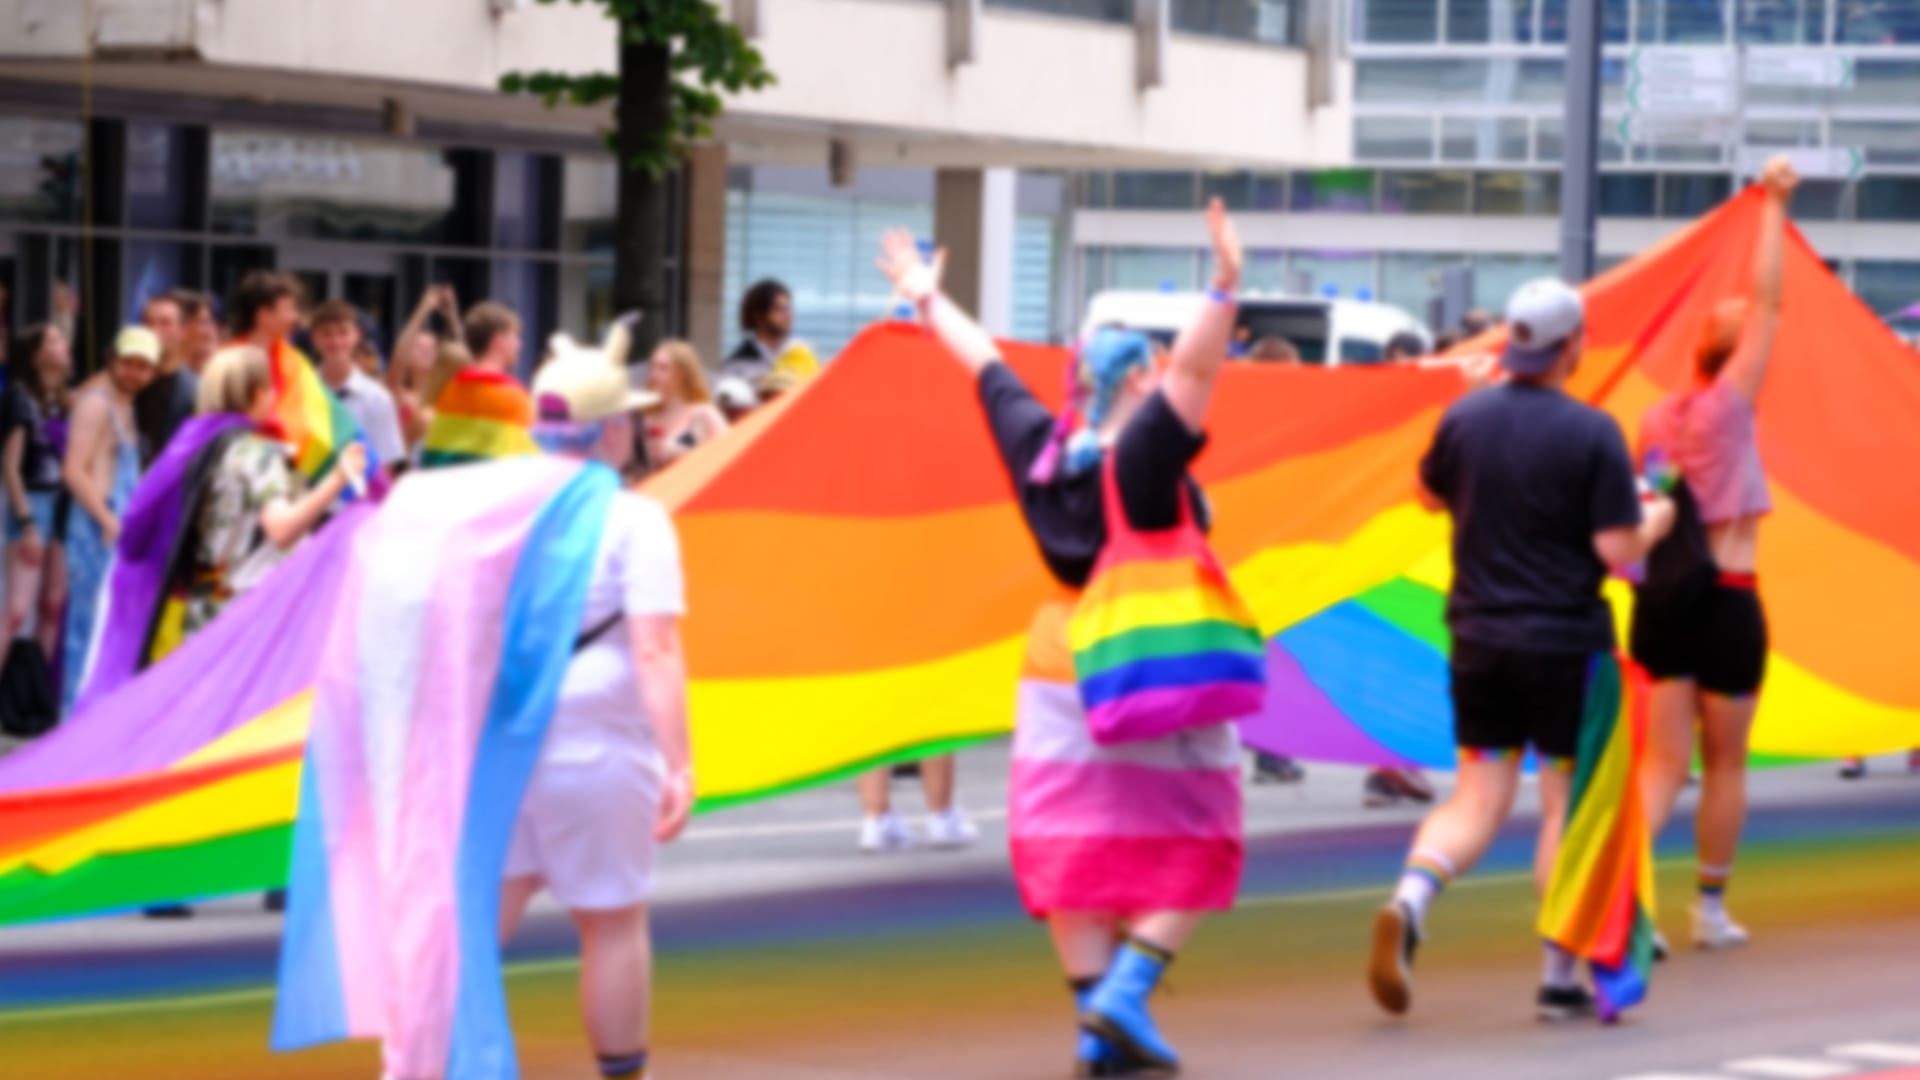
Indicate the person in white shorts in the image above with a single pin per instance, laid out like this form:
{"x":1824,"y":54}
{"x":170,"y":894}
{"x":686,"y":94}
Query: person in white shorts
{"x":614,"y":779}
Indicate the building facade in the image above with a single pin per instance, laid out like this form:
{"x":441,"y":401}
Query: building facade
{"x":1456,"y":150}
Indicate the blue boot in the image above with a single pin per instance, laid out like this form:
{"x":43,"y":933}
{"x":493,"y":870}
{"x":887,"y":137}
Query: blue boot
{"x":1117,"y":1010}
{"x":1095,"y":1056}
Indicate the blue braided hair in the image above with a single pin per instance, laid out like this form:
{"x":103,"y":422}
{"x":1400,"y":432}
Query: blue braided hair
{"x":1105,"y":362}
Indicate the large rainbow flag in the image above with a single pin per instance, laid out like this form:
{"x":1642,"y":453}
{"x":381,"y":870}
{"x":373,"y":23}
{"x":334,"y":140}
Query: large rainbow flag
{"x":857,"y":571}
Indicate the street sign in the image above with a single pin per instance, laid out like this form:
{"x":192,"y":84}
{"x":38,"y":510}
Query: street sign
{"x":1688,"y":128}
{"x":1799,"y":67}
{"x":1681,"y":82}
{"x":1814,"y":163}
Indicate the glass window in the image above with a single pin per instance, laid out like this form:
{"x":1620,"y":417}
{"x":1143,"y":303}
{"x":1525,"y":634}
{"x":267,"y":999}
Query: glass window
{"x":589,"y":205}
{"x":529,"y":288}
{"x":586,"y":299}
{"x":41,"y":169}
{"x":1266,"y":271}
{"x":1680,"y":153}
{"x":1885,"y":142}
{"x":1681,"y":22}
{"x":1335,"y":273}
{"x":1876,"y":82}
{"x":1115,"y":11}
{"x":1878,"y":22}
{"x":157,"y":177}
{"x":153,"y":267}
{"x":323,"y":188}
{"x":1783,"y":134}
{"x":1820,"y":200}
{"x":523,"y":202}
{"x":1425,"y":192}
{"x":1272,"y":22}
{"x":1168,"y":269}
{"x":1549,"y":138}
{"x":1890,"y":198}
{"x":1033,"y":278}
{"x":1886,"y":287}
{"x":1613,"y":21}
{"x":1335,"y":191}
{"x":1153,"y":191}
{"x":1484,"y":139}
{"x":1393,"y":138}
{"x":1389,"y":22}
{"x":1095,"y":192}
{"x":1517,"y":193}
{"x":1781,"y":22}
{"x":1235,"y":189}
{"x":1497,"y":277}
{"x":1093,"y":273}
{"x":1496,"y":21}
{"x":1628,"y":195}
{"x":1408,"y":280}
{"x":1685,"y":196}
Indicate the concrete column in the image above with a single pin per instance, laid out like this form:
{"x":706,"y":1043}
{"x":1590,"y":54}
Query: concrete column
{"x":974,"y":216}
{"x":707,"y":318}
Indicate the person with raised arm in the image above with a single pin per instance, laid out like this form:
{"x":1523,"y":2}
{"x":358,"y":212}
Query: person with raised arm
{"x":1699,"y":628}
{"x":1121,"y":847}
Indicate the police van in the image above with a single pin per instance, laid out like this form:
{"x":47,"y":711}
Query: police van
{"x":1325,"y":332}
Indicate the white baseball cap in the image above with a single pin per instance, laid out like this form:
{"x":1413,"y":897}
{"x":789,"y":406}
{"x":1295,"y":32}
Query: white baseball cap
{"x":580,"y":386}
{"x":736,"y":393}
{"x":137,"y":341}
{"x":1541,"y":317}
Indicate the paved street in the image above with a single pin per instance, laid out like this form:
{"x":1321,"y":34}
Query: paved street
{"x":785,"y":954}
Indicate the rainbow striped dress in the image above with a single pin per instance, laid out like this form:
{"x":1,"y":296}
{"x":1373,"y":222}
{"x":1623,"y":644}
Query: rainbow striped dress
{"x":480,"y":416}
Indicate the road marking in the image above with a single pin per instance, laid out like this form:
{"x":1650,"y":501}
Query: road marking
{"x":1790,"y":1068}
{"x":1890,"y":1053}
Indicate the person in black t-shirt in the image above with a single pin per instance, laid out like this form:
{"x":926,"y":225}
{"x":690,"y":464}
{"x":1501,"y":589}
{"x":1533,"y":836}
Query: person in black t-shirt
{"x":168,"y":400}
{"x":1544,"y":501}
{"x":1146,"y":835}
{"x":31,"y":408}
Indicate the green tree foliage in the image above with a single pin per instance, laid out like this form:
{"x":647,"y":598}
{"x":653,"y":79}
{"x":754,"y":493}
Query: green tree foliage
{"x":708,"y":55}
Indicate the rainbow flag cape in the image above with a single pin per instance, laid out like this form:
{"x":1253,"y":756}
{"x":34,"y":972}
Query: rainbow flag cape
{"x":455,"y":627}
{"x":481,"y":415}
{"x":149,"y":551}
{"x":311,"y":419}
{"x":1599,"y":904}
{"x":877,"y":484}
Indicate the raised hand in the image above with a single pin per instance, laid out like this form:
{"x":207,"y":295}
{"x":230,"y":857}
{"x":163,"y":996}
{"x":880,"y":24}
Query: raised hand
{"x":1227,"y":254}
{"x":1780,"y":178}
{"x":914,"y":277}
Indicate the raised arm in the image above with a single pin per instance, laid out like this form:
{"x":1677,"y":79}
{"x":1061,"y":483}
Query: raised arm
{"x":1202,"y":346}
{"x":1747,"y":371}
{"x":421,"y":313}
{"x":918,"y":280}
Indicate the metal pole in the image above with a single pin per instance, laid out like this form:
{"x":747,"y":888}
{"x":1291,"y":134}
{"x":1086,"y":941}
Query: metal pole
{"x":1580,"y":180}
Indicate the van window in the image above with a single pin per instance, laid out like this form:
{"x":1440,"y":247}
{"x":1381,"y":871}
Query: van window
{"x":1361,"y":351}
{"x":1306,"y":325}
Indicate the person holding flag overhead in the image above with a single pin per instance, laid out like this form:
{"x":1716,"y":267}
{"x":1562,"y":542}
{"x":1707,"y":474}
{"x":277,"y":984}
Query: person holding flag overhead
{"x":1126,"y":804}
{"x":1544,"y":500}
{"x":504,"y":697}
{"x":1698,"y":625}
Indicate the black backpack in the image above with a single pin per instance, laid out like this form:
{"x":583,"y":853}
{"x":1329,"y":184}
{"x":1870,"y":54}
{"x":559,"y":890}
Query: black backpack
{"x":1680,"y":569}
{"x":27,"y":705}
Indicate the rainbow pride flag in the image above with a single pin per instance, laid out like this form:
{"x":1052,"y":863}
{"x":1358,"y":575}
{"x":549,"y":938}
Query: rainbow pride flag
{"x":876,"y":484}
{"x":310,"y":417}
{"x":481,"y":415}
{"x":1600,"y":901}
{"x":454,"y":631}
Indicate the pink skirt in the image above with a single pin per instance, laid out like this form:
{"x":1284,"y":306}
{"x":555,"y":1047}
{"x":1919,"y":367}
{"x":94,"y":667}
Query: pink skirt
{"x":1144,"y":826}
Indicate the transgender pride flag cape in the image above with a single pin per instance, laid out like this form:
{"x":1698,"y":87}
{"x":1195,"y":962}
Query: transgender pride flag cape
{"x":454,"y":629}
{"x":1599,"y":904}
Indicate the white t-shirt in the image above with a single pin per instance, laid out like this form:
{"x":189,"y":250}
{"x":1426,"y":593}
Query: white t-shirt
{"x":637,"y":572}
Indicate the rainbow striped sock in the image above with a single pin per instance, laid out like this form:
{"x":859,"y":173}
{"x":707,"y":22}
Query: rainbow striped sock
{"x":623,"y":1066}
{"x":1489,"y":753}
{"x":1425,"y":877}
{"x":1713,"y":880}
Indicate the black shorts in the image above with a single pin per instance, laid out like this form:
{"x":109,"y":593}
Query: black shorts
{"x":1719,"y":641}
{"x":1506,"y":699}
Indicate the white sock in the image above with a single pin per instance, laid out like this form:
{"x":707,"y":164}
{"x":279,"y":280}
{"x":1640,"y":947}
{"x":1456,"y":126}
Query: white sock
{"x":1422,"y":880}
{"x":1561,"y":968}
{"x":1713,"y":905}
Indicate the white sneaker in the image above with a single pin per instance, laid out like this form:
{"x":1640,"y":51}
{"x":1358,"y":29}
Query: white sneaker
{"x":1717,"y":930}
{"x":885,"y":833}
{"x":951,"y":830}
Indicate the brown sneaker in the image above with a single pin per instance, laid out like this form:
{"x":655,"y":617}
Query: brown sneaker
{"x":1390,"y":972}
